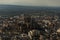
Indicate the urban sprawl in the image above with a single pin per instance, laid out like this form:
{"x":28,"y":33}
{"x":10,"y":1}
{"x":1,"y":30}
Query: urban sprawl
{"x":29,"y":27}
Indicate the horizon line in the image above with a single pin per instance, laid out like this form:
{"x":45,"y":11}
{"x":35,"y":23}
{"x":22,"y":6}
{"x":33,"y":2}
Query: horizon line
{"x":28,"y":5}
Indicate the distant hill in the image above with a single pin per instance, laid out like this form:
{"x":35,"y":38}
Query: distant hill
{"x":17,"y":10}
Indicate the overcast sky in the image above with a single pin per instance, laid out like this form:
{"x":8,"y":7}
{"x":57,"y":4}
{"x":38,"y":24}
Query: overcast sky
{"x":32,"y":2}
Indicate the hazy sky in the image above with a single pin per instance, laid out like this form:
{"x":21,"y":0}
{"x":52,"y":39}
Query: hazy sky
{"x":32,"y":2}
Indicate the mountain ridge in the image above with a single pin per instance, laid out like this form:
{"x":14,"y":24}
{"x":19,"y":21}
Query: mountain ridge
{"x":17,"y":10}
